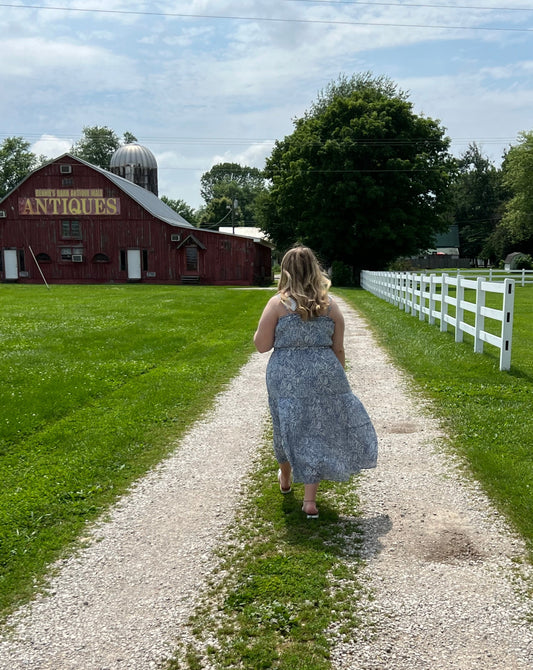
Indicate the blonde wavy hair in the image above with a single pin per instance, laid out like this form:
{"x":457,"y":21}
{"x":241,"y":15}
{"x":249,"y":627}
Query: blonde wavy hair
{"x":303,"y":280}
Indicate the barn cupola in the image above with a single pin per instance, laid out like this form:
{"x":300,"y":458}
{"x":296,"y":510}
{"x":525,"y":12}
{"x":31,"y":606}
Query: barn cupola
{"x":136,"y":164}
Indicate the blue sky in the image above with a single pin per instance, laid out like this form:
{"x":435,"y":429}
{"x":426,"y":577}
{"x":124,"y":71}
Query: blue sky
{"x":201,"y":82}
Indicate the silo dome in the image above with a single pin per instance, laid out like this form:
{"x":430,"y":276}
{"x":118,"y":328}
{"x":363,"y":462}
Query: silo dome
{"x":137,"y":164}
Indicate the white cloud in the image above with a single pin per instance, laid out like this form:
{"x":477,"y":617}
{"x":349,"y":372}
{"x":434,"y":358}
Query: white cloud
{"x":476,"y":108}
{"x":508,"y":71}
{"x":50,"y":146}
{"x":75,"y":66}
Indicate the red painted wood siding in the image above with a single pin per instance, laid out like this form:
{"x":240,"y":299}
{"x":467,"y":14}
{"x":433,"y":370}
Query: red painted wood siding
{"x":224,"y":258}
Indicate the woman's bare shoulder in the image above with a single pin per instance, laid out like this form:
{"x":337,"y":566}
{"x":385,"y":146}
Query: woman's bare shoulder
{"x":334,"y":309}
{"x":275,"y":305}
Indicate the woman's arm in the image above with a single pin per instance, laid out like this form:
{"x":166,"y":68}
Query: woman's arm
{"x":264,"y":335}
{"x":338,"y":334}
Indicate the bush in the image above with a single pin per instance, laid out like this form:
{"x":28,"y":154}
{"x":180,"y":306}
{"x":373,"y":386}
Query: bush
{"x":341,"y":274}
{"x":401,"y":265}
{"x":524,"y":262}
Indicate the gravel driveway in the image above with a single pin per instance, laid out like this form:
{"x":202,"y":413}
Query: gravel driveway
{"x":445,"y":578}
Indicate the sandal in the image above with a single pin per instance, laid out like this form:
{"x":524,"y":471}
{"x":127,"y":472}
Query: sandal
{"x":313,"y":515}
{"x":280,"y":487}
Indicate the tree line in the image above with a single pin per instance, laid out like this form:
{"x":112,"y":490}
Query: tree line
{"x":362,"y":179}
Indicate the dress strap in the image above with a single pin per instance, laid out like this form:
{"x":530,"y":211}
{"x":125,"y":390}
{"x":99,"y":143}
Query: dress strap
{"x":291,"y":307}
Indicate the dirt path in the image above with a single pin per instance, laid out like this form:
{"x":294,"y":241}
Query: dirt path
{"x":439,"y":560}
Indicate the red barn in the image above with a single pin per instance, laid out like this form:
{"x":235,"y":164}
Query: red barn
{"x":72,"y":222}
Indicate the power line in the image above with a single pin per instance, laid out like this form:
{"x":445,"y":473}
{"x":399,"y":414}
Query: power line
{"x":268,"y":19}
{"x":409,"y":4}
{"x":252,"y":140}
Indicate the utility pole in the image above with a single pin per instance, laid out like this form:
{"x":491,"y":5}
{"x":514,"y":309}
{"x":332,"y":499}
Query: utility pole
{"x":234,"y":206}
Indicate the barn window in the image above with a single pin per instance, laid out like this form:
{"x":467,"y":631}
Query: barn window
{"x":68,"y":252}
{"x":123,"y":260}
{"x":100,"y":258}
{"x":22,"y":261}
{"x":191,"y":254}
{"x":67,"y":181}
{"x":145,"y":260}
{"x":43,"y":258}
{"x":70,"y":229}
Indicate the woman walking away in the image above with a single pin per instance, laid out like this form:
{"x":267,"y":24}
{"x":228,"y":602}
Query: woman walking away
{"x":321,"y":429}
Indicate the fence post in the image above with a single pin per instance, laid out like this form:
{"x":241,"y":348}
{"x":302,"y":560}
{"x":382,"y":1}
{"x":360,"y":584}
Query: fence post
{"x":399,"y":282}
{"x":459,"y":310}
{"x":507,"y":324}
{"x":421,"y":300}
{"x":390,"y":286}
{"x":479,"y":323}
{"x":432,"y":290}
{"x":397,"y":287}
{"x":443,"y":303}
{"x":414,"y":284}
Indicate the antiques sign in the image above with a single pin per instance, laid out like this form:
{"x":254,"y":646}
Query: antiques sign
{"x":69,"y":202}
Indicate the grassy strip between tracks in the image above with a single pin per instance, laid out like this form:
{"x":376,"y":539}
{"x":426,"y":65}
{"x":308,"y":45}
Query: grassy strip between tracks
{"x":97,"y":384}
{"x":286,"y":587}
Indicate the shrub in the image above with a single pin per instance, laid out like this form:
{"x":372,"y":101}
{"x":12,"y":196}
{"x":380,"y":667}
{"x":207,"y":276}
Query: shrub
{"x":524,"y":262}
{"x":401,"y":265}
{"x":341,"y":274}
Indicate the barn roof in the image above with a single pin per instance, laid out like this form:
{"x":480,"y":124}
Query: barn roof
{"x":145,"y":198}
{"x":150,"y":202}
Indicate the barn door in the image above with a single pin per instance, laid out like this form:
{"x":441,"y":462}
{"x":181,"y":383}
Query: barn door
{"x":134,"y":264}
{"x":11,"y":264}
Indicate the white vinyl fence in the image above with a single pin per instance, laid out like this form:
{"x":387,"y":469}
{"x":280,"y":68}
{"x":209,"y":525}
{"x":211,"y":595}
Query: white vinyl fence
{"x":429,"y":295}
{"x":522,"y":277}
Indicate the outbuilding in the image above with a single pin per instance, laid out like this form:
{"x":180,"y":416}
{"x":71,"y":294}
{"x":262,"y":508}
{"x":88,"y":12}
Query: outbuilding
{"x":72,"y":222}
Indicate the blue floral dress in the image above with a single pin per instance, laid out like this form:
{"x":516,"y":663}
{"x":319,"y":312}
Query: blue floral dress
{"x":319,"y":425}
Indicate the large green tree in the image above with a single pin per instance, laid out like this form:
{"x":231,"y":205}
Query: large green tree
{"x":16,"y":161}
{"x":182,"y":208}
{"x":517,"y":167}
{"x":220,"y":212}
{"x":478,"y":197}
{"x":98,"y":144}
{"x":362,"y":179}
{"x":226,"y":183}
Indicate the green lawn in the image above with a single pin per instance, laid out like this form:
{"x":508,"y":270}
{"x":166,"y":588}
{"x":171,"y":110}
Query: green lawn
{"x":97,"y":381}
